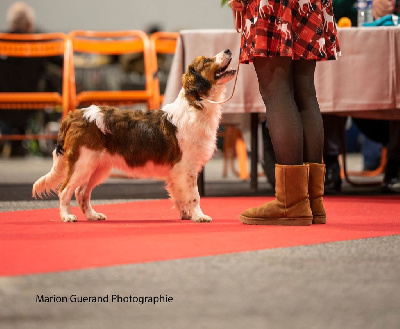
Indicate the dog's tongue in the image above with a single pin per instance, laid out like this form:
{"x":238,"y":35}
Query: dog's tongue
{"x":227,"y":70}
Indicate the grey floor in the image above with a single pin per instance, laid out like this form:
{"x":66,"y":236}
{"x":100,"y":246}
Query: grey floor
{"x":350,"y":284}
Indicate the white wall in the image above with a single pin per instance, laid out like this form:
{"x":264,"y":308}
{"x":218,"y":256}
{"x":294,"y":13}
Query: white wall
{"x":170,"y":15}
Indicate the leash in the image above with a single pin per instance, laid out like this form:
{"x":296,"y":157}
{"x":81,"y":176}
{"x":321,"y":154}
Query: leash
{"x":238,"y":64}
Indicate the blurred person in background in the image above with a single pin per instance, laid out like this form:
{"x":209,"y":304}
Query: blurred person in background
{"x":24,"y":74}
{"x":20,"y":18}
{"x":382,"y":8}
{"x":381,"y":131}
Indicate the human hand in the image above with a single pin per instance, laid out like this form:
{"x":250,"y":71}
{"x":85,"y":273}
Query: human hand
{"x":237,"y":5}
{"x":382,"y":8}
{"x":238,"y":13}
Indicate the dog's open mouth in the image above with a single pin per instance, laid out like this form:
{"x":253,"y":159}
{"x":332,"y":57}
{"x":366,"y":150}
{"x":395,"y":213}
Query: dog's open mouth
{"x":224,"y":71}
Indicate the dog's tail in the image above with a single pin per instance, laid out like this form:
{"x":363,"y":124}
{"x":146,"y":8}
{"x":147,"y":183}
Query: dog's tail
{"x":51,"y":182}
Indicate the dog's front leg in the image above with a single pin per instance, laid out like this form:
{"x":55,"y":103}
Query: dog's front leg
{"x":182,"y":187}
{"x":83,"y":193}
{"x":197,"y":214}
{"x":65,"y":208}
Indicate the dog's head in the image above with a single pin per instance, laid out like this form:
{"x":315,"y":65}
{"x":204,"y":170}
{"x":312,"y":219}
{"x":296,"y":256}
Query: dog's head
{"x":204,"y":73}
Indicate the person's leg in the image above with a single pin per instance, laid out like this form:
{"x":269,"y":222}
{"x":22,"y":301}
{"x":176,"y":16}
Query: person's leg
{"x":375,"y":133}
{"x":391,"y":182}
{"x":334,"y":129}
{"x":313,"y":132}
{"x":307,"y":103}
{"x":291,"y":205}
{"x":393,"y":145}
{"x":269,"y":159}
{"x":275,"y":79}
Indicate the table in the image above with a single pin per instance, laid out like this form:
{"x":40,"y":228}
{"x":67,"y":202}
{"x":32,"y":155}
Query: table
{"x":364,"y":82}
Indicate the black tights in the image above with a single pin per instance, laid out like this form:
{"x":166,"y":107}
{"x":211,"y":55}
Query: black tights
{"x":293,"y":115}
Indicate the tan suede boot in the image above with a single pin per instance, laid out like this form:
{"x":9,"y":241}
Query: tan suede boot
{"x":291,"y":206}
{"x":316,"y":192}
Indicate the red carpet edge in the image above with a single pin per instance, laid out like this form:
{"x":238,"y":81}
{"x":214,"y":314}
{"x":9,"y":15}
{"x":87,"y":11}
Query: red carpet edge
{"x":36,"y":241}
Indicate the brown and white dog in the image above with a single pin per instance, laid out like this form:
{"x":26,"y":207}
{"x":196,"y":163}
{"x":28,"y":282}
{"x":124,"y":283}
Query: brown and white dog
{"x":173,"y":143}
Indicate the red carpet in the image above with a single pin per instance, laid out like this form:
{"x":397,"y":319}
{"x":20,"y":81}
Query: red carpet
{"x":36,"y":241}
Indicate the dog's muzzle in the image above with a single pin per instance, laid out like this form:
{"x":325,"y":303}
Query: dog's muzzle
{"x":223,"y":59}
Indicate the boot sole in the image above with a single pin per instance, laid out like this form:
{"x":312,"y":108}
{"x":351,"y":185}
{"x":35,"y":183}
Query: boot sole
{"x":319,"y":220}
{"x":302,"y":221}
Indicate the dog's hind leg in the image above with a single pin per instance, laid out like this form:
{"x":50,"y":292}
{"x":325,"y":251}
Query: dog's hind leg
{"x":83,"y":193}
{"x":182,"y":187}
{"x":50,"y":182}
{"x":79,"y":175}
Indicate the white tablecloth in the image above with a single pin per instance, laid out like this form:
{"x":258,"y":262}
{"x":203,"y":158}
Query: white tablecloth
{"x":365,"y":81}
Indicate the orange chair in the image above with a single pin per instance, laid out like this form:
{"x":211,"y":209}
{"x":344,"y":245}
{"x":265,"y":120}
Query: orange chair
{"x":161,"y":43}
{"x":35,"y":45}
{"x":111,"y":43}
{"x":345,"y":173}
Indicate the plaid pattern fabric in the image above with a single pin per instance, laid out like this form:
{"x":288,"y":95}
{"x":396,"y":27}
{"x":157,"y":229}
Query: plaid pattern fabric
{"x":300,"y":29}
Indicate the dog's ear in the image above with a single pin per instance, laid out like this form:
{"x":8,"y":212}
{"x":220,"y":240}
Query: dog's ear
{"x":195,"y":84}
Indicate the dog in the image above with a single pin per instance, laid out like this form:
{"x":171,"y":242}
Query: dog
{"x":173,"y":143}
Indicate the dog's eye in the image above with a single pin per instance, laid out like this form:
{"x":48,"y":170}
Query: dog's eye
{"x":207,"y":60}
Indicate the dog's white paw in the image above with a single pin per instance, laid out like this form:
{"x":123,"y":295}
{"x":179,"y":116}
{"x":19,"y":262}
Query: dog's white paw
{"x":96,"y":216}
{"x":69,"y":218}
{"x":185,"y":216}
{"x":202,"y":219}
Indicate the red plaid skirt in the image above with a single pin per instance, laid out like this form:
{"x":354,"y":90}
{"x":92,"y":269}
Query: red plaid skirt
{"x":300,"y":29}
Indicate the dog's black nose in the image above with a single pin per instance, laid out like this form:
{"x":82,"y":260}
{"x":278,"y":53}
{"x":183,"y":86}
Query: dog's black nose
{"x":228,"y":52}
